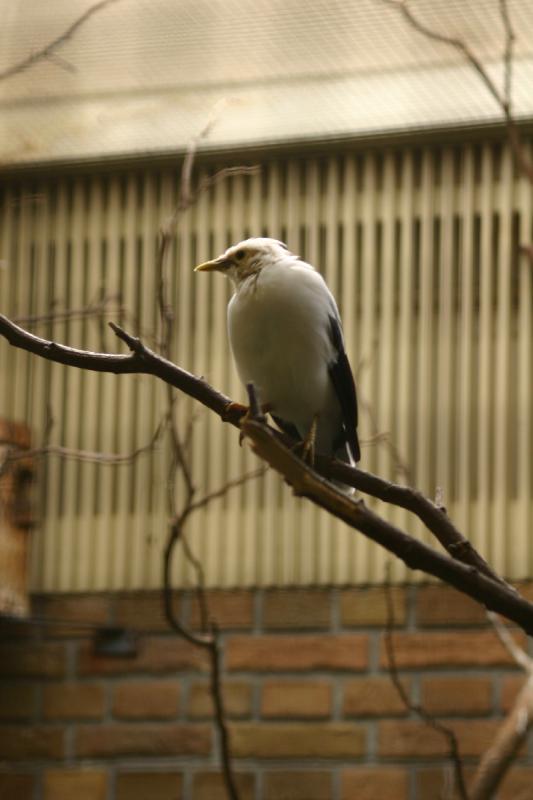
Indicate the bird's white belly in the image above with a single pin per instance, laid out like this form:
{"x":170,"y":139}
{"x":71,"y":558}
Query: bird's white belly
{"x":282,"y":345}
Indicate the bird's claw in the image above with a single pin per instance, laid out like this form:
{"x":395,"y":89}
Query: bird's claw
{"x":307,"y":446}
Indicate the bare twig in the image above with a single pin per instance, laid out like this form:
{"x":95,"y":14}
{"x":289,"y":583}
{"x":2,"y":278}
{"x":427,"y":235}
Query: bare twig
{"x":501,"y":96}
{"x":209,"y":638}
{"x":519,"y":656}
{"x":49,"y":51}
{"x":416,"y":708}
{"x":496,"y":761}
{"x":97,"y":309}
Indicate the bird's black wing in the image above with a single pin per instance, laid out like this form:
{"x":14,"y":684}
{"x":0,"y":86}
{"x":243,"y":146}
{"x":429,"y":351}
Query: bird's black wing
{"x":341,"y":376}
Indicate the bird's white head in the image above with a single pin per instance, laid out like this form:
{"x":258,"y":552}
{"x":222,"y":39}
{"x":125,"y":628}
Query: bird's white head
{"x":247,"y":258}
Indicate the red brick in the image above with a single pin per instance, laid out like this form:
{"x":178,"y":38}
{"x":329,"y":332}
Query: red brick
{"x":210,"y":786}
{"x":32,"y":660}
{"x":237,"y":697}
{"x":156,"y":655}
{"x":82,"y":784}
{"x":517,"y":784}
{"x":28,"y":743}
{"x":297,"y":653}
{"x":431,"y":782}
{"x":297,"y":608}
{"x":146,"y":700}
{"x":149,"y":786}
{"x":413,"y":739}
{"x":457,"y":648}
{"x":510,"y":687}
{"x":445,"y":606}
{"x":296,"y":699}
{"x":73,"y":701}
{"x":19,"y":786}
{"x":229,"y":608}
{"x":371,"y":697}
{"x":17,"y":701}
{"x":143,"y":611}
{"x":297,"y":785}
{"x":368,"y":607}
{"x":292,"y":740}
{"x":370,"y":783}
{"x":75,"y":608}
{"x":444,"y":696}
{"x":109,"y":741}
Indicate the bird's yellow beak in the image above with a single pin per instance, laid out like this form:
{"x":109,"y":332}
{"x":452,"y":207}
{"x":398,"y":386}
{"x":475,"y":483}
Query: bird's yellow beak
{"x":219,"y":264}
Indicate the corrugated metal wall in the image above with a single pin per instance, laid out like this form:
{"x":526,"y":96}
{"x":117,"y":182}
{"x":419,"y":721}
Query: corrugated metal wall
{"x":420,"y":246}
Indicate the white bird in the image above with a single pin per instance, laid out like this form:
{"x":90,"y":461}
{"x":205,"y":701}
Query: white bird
{"x":286,"y":336}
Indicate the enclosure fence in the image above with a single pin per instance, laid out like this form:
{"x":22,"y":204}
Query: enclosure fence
{"x":421,"y":248}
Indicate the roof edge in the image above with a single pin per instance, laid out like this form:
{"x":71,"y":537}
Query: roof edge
{"x":424,"y":137}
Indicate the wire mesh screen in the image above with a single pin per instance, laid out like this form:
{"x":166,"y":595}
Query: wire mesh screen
{"x":421,"y":249}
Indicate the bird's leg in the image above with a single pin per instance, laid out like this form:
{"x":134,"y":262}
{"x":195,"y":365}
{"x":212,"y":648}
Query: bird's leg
{"x":308,"y":444}
{"x":265,"y":409}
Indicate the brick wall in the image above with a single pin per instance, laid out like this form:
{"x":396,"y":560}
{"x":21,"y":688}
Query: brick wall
{"x":313,"y":713}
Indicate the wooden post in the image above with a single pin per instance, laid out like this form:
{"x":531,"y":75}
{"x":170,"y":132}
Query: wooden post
{"x":16,"y":517}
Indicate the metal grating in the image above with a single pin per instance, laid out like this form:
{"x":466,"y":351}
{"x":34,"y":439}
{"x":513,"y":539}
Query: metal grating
{"x":420,"y":246}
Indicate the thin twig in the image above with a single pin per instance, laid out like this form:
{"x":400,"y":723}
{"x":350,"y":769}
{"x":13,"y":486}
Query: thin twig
{"x":49,"y":51}
{"x":179,"y":464}
{"x":502,"y":97}
{"x":496,"y":761}
{"x":416,"y":708}
{"x":519,"y":656}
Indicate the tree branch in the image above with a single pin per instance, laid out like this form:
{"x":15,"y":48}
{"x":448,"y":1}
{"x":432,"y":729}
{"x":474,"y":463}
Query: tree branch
{"x":145,"y":361}
{"x":502,"y":98}
{"x":49,"y":51}
{"x":415,"y":554}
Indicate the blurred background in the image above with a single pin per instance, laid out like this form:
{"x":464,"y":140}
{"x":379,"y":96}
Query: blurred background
{"x":381,"y":155}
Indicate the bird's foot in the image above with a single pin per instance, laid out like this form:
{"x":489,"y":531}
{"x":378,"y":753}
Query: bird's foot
{"x":246,"y":413}
{"x":308,"y":444}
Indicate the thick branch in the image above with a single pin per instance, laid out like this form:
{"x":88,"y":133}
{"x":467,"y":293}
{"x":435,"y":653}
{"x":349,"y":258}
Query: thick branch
{"x":416,"y":555}
{"x":143,"y":360}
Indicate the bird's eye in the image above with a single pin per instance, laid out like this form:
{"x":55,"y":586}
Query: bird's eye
{"x":239,"y":255}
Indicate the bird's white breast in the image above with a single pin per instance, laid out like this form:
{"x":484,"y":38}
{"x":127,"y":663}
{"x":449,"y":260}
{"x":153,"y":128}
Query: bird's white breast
{"x":279,"y":329}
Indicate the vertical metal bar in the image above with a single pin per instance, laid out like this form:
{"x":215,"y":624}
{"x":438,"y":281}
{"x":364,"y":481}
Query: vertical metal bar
{"x":368,"y":329}
{"x":464,"y":438}
{"x":149,"y":524}
{"x":425,"y":327}
{"x":105,"y":544}
{"x":292,"y":508}
{"x":55,"y":531}
{"x":521,"y":548}
{"x":218,"y":360}
{"x":445,"y":326}
{"x":342,"y":560}
{"x":128,"y":547}
{"x":502,"y":408}
{"x":252,"y":490}
{"x":482,"y":534}
{"x":41,"y":368}
{"x":71,"y":410}
{"x":405,"y":416}
{"x":274,"y":528}
{"x":91,"y":474}
{"x":202,"y":230}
